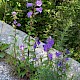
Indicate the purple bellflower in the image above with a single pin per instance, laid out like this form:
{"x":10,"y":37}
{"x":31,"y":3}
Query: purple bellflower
{"x":29,"y":5}
{"x":60,"y":64}
{"x":35,"y":45}
{"x":58,"y":54}
{"x":45,"y":47}
{"x":14,"y":22}
{"x":35,"y":59}
{"x":37,"y":42}
{"x":38,"y":3}
{"x":39,"y":9}
{"x":29,"y":14}
{"x":23,"y":58}
{"x":50,"y":56}
{"x":67,"y":51}
{"x":22,"y":47}
{"x":49,"y":44}
{"x":66,"y":59}
{"x":50,"y":41}
{"x":18,"y":24}
{"x":14,"y":13}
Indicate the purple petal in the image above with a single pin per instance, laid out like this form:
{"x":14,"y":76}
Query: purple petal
{"x":14,"y":13}
{"x":35,"y":59}
{"x":14,"y":22}
{"x":29,"y":14}
{"x":66,"y":59}
{"x":60,"y":63}
{"x":50,"y":41}
{"x":45,"y":47}
{"x":29,"y":5}
{"x":58,"y":54}
{"x":50,"y":56}
{"x":37,"y":41}
{"x":49,"y":45}
{"x":18,"y":24}
{"x":67,"y":51}
{"x":35,"y":45}
{"x":22,"y":47}
{"x":23,"y":58}
{"x":39,"y":9}
{"x":38,"y":3}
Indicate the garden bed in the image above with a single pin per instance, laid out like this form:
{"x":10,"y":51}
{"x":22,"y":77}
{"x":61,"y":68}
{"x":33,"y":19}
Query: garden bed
{"x":43,"y":68}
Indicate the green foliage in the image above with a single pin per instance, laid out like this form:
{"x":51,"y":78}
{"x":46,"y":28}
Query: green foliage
{"x":59,"y":19}
{"x":43,"y":73}
{"x":47,"y":72}
{"x":2,"y":54}
{"x":3,"y":47}
{"x":21,"y":69}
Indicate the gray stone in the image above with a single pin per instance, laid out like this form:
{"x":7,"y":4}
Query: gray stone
{"x":5,"y":70}
{"x":7,"y":30}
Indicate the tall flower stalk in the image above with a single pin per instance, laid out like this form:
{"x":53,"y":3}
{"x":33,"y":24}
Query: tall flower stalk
{"x":31,"y":15}
{"x":31,"y":23}
{"x":14,"y":18}
{"x":15,"y":23}
{"x":15,"y":42}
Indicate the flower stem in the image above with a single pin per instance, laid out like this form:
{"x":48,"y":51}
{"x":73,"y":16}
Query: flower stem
{"x":15,"y":42}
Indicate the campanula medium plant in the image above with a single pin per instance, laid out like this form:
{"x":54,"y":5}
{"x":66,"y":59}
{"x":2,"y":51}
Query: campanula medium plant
{"x":55,"y":19}
{"x":25,"y":68}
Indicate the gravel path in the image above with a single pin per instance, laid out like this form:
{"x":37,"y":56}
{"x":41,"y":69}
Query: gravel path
{"x":5,"y":70}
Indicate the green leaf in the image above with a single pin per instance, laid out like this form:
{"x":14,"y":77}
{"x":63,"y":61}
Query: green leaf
{"x":2,"y":54}
{"x":23,"y":73}
{"x":4,"y":47}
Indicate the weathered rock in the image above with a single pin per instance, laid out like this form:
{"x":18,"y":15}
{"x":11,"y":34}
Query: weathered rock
{"x":7,"y":30}
{"x":5,"y":70}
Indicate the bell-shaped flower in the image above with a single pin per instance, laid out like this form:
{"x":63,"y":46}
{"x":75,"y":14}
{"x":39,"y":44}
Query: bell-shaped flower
{"x":18,"y":24}
{"x":45,"y":47}
{"x":60,"y":64}
{"x":49,"y":44}
{"x":66,"y":59}
{"x":14,"y":22}
{"x":22,"y":47}
{"x":58,"y":54}
{"x":67,"y":51}
{"x":35,"y":59}
{"x":50,"y":41}
{"x":29,"y":5}
{"x":37,"y":42}
{"x":38,"y":3}
{"x":14,"y":13}
{"x":23,"y":58}
{"x":35,"y":45}
{"x":39,"y":9}
{"x":50,"y":56}
{"x":29,"y":14}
